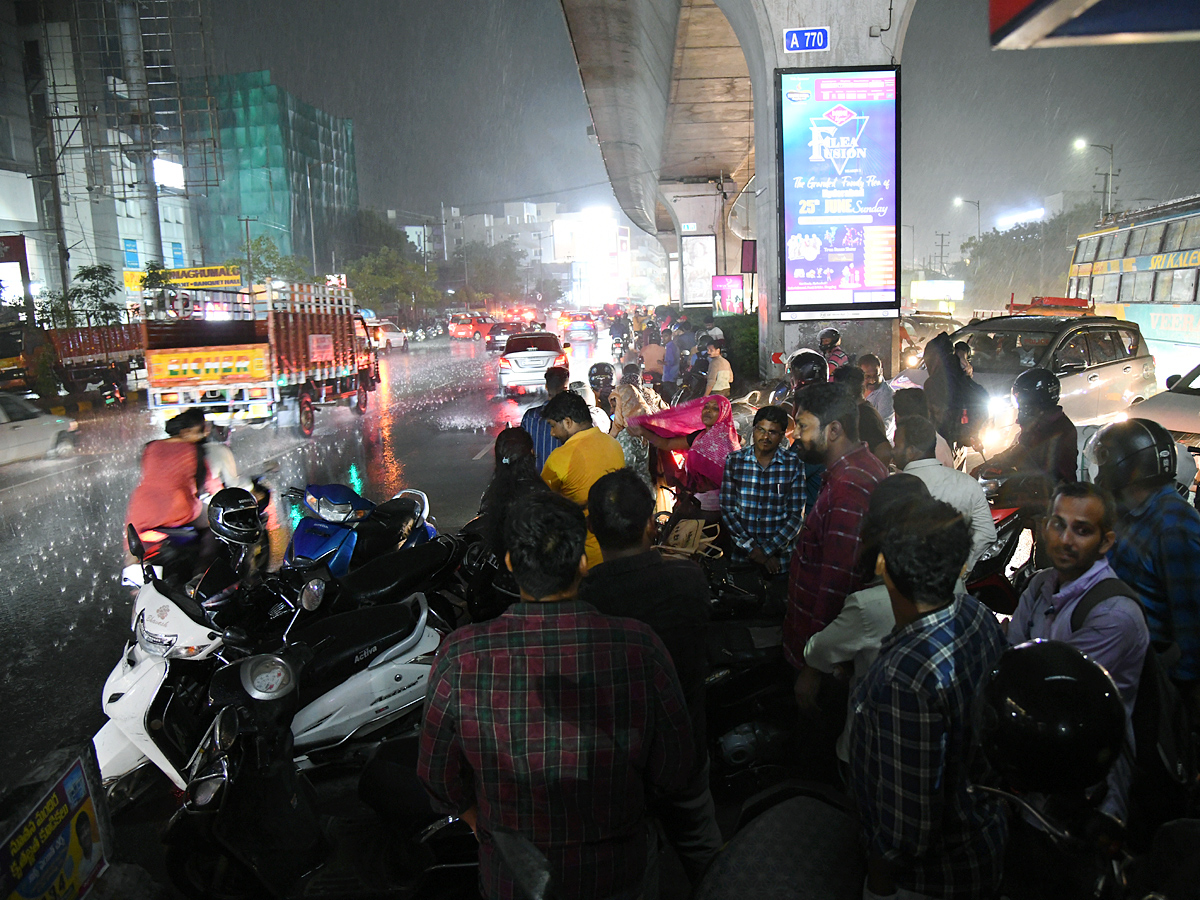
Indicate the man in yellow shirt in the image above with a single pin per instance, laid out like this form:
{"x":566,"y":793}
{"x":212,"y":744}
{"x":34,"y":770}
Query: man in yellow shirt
{"x":587,"y":453}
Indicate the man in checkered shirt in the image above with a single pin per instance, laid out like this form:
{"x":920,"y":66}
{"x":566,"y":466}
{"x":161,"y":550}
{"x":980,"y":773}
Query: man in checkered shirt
{"x":555,"y":721}
{"x":913,"y":755}
{"x":762,"y":495}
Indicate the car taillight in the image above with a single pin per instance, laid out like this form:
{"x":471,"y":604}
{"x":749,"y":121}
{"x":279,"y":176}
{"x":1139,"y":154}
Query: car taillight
{"x":561,"y":360}
{"x":505,"y":363}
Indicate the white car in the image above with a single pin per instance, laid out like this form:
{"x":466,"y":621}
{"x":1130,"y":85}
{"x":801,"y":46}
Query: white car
{"x":1176,"y":409}
{"x":27,"y":432}
{"x":388,"y":335}
{"x":526,"y":358}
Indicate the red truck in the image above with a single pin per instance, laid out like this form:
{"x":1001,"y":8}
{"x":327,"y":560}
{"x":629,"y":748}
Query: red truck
{"x":246,"y":356}
{"x":94,"y":354}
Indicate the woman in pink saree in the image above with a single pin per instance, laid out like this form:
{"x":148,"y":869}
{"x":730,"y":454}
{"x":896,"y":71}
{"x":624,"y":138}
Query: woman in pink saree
{"x":703,"y":433}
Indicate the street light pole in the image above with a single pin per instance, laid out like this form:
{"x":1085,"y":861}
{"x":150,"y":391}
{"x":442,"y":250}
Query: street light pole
{"x":312,"y":234}
{"x":1082,"y":144}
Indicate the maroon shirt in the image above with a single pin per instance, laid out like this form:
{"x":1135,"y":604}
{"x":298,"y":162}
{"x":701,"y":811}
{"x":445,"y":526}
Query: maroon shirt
{"x":823,"y":569}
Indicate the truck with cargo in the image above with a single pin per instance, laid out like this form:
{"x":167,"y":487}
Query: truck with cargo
{"x":94,"y":354}
{"x":248,"y":356}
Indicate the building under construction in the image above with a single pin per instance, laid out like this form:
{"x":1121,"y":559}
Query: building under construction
{"x":288,"y":172}
{"x":123,"y":124}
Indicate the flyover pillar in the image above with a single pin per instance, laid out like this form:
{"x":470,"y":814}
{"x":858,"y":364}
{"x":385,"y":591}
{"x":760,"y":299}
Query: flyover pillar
{"x":860,"y":33}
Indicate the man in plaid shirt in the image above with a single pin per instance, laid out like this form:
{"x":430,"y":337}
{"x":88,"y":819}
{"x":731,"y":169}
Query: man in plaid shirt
{"x":911,"y":743}
{"x":762,"y":495}
{"x":824,"y":563}
{"x":555,"y":721}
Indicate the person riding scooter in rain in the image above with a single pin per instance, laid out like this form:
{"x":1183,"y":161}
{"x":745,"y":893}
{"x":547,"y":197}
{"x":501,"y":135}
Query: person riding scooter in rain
{"x":1047,"y":446}
{"x":174,"y":472}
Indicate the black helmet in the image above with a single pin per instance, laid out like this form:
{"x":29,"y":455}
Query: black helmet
{"x":601,"y":377}
{"x":1126,"y":453}
{"x":702,"y":343}
{"x":233,"y":516}
{"x":829,"y":334}
{"x":1050,"y":720}
{"x":808,"y":367}
{"x":1036,"y":389}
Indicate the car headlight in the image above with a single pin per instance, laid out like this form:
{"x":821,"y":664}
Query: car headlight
{"x":998,"y":406}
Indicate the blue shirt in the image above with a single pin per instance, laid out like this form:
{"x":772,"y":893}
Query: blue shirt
{"x":1157,"y":553}
{"x":913,"y":754}
{"x":763,"y":507}
{"x":544,"y":443}
{"x":671,"y":361}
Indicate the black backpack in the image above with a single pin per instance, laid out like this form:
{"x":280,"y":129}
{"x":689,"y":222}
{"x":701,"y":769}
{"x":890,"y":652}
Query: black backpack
{"x":1165,"y":774}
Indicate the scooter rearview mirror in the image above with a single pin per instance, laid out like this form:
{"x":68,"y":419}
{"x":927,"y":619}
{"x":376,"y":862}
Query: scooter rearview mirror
{"x":136,"y":547}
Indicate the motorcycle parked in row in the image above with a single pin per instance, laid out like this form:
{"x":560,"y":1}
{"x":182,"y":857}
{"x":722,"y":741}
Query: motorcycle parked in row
{"x":251,"y":826}
{"x":343,"y":530}
{"x":372,"y":649}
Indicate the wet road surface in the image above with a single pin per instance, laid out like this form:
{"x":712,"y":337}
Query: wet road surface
{"x":64,"y":616}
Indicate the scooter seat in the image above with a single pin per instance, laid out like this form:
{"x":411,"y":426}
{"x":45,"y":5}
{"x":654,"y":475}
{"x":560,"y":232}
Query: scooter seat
{"x":389,"y":525}
{"x":348,"y":642}
{"x":395,"y":575}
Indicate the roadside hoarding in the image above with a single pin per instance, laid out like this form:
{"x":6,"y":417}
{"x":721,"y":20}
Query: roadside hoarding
{"x":699,"y":267}
{"x":729,"y":294}
{"x":838,"y":149}
{"x":212,"y":277}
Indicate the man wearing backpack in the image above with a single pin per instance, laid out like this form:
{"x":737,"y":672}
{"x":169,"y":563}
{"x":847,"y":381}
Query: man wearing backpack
{"x":1080,"y":601}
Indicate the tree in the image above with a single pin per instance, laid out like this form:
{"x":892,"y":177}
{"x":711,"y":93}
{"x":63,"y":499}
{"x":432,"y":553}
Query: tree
{"x":1028,"y":260}
{"x":266,"y":262}
{"x":492,"y":270}
{"x":386,"y":280}
{"x":88,"y":301}
{"x":366,"y":232}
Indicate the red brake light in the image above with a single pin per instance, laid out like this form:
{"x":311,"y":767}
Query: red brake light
{"x":505,"y":363}
{"x":152,"y":536}
{"x":561,"y":361}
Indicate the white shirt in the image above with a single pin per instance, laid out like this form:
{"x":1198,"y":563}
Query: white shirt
{"x":222,"y":467}
{"x":962,"y":492}
{"x":943,"y":453}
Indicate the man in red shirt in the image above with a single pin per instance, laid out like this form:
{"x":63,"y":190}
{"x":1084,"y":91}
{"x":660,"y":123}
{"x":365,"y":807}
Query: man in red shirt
{"x":822,"y":571}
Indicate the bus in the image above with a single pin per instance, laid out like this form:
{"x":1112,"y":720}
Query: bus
{"x":1143,"y":266}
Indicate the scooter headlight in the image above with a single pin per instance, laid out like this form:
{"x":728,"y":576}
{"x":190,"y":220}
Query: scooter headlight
{"x":151,"y":642}
{"x":205,"y":790}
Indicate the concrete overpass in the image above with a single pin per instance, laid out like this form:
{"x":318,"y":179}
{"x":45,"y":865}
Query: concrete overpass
{"x":682,"y":98}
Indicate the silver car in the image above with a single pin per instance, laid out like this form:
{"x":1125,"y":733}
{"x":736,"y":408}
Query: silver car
{"x":1176,"y":409}
{"x":27,"y":432}
{"x":526,"y":357}
{"x":1102,"y":364}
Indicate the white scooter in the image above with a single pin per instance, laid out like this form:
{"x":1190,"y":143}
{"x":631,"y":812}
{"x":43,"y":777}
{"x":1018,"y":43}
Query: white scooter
{"x":367,"y":678}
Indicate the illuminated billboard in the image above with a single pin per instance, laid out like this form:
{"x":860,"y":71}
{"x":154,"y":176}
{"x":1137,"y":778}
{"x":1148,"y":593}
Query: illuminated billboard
{"x":838,"y":148}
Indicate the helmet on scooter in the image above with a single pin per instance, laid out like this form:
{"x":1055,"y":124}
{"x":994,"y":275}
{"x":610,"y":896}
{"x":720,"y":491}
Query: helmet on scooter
{"x":807,"y":367}
{"x":1036,"y":390}
{"x":1051,"y":720}
{"x":233,"y":516}
{"x":631,"y":373}
{"x":601,"y":377}
{"x":1126,"y":453}
{"x":702,"y":344}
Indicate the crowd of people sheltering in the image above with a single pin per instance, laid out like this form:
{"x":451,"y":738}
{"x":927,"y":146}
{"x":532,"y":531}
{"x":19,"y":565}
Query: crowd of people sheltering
{"x":576,"y":717}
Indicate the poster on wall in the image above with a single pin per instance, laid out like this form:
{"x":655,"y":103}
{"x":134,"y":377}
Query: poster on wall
{"x":728,"y":294}
{"x":699,"y":267}
{"x":838,"y":150}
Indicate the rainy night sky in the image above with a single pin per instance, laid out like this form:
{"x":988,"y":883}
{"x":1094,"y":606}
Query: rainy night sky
{"x":472,"y":103}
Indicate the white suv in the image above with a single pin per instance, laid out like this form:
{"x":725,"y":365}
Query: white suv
{"x":388,"y":335}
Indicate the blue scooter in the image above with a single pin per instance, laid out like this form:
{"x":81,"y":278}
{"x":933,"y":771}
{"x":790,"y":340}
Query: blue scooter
{"x":343,"y":530}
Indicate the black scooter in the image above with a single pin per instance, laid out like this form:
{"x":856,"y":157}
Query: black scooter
{"x":251,"y":826}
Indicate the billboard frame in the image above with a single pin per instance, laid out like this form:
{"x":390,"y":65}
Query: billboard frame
{"x":880,"y":310}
